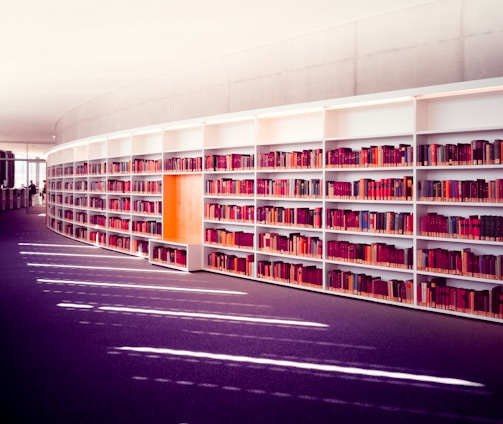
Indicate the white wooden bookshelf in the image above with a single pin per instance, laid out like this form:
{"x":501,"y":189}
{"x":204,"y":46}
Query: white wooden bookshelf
{"x":368,"y":240}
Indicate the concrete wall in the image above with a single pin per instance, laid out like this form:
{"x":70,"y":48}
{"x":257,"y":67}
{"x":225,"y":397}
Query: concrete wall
{"x":441,"y":42}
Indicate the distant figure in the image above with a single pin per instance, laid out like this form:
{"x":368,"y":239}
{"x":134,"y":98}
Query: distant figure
{"x":32,"y":191}
{"x":42,"y":193}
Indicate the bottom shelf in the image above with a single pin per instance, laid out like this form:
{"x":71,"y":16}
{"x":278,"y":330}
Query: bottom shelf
{"x":175,"y":254}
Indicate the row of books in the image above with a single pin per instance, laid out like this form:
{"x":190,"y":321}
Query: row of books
{"x":372,"y":156}
{"x":229,"y":186}
{"x":147,"y":207}
{"x":146,"y":165}
{"x":119,"y":242}
{"x":237,"y":213}
{"x":460,"y":262}
{"x":370,"y":221}
{"x":484,"y":227}
{"x":140,"y":246}
{"x":118,"y":223}
{"x":169,"y":255}
{"x":147,"y":227}
{"x":100,"y":186}
{"x":220,"y":261}
{"x":369,"y":189}
{"x":81,"y":217}
{"x":185,"y":164}
{"x":68,"y":215}
{"x":437,"y":294}
{"x":476,"y":152}
{"x":229,"y":162}
{"x":122,"y":204}
{"x":68,"y":170}
{"x":119,"y":186}
{"x":293,"y":273}
{"x":461,"y":190}
{"x":81,"y":201}
{"x":293,"y":187}
{"x":295,"y":244}
{"x":150,"y":187}
{"x":304,"y":159}
{"x":367,"y":285}
{"x":119,"y":167}
{"x":100,"y":220}
{"x":381,"y":254}
{"x":221,"y":236}
{"x":293,"y":217}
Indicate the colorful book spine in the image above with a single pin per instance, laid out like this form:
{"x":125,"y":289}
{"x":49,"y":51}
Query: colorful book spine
{"x":230,"y":187}
{"x":231,"y":213}
{"x":291,"y":188}
{"x":119,"y":242}
{"x":435,"y":293}
{"x":223,"y":237}
{"x":293,"y":217}
{"x":370,"y":221}
{"x":142,"y":166}
{"x":303,"y":159}
{"x":461,"y":190}
{"x":119,"y":167}
{"x":369,"y":189}
{"x":367,"y":285}
{"x":370,"y":157}
{"x":460,"y":262}
{"x":147,"y":227}
{"x":484,"y":227}
{"x":120,"y":205}
{"x":147,"y":187}
{"x":185,"y":164}
{"x":476,"y":152}
{"x":229,"y":162}
{"x":220,"y":261}
{"x":170,"y":255}
{"x":292,"y":273}
{"x":380,"y":254}
{"x":147,"y":207}
{"x":295,"y":244}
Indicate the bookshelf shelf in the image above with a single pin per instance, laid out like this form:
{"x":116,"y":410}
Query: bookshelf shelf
{"x":415,"y":176}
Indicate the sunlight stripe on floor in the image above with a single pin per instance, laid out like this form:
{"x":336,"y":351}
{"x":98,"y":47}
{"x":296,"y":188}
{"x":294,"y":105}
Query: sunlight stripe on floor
{"x":304,"y":365}
{"x":138,"y":286}
{"x":103,"y":268}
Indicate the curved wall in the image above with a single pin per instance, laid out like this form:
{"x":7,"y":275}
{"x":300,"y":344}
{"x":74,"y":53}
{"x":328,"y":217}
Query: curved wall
{"x":441,"y":42}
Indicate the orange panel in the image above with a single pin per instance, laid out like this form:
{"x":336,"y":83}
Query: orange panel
{"x":182,"y":208}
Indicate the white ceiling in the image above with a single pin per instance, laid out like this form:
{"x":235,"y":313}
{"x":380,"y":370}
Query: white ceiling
{"x":58,"y":54}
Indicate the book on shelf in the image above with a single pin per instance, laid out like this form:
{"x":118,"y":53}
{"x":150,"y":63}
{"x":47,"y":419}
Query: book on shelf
{"x":381,"y":254}
{"x":289,"y":187}
{"x":293,"y":273}
{"x":474,"y":227}
{"x":460,"y":262}
{"x":221,"y":236}
{"x":303,"y":159}
{"x":370,"y":221}
{"x":229,"y":162}
{"x":372,"y":156}
{"x":476,"y":152}
{"x":231,"y":263}
{"x":296,"y":217}
{"x":183,"y":164}
{"x":435,"y":293}
{"x":367,"y":285}
{"x":295,"y":244}
{"x":237,"y":213}
{"x":478,"y":190}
